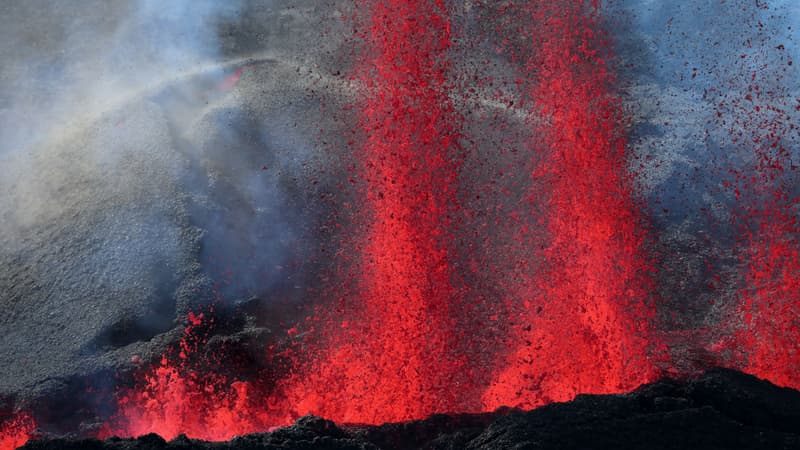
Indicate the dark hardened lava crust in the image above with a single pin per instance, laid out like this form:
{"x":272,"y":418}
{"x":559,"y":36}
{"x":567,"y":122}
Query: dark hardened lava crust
{"x":723,"y":409}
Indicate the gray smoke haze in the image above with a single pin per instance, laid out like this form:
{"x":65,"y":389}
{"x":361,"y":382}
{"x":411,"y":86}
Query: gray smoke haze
{"x":148,"y":163}
{"x":68,"y":61}
{"x":67,"y":65}
{"x":689,"y":67}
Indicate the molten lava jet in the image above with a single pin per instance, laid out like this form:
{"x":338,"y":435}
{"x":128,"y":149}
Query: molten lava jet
{"x":584,"y":326}
{"x":756,"y":106}
{"x":771,"y":299}
{"x":16,"y":431}
{"x":186,"y":393}
{"x":387,"y":355}
{"x":769,"y":202}
{"x":394,"y":348}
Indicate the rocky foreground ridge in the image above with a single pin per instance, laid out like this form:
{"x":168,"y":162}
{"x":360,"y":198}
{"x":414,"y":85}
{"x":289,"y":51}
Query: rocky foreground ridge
{"x":722,"y":409}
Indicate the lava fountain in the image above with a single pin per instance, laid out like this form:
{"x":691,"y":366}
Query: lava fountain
{"x":762,"y":114}
{"x":584,"y":327}
{"x":387,"y":354}
{"x":187,"y":392}
{"x":16,"y":431}
{"x":394,"y":348}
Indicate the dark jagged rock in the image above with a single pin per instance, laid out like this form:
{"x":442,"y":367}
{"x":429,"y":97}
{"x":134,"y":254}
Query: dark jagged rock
{"x":723,"y":409}
{"x":306,"y":434}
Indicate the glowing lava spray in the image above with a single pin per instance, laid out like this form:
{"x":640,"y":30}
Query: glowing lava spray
{"x":584,"y":327}
{"x":389,"y":354}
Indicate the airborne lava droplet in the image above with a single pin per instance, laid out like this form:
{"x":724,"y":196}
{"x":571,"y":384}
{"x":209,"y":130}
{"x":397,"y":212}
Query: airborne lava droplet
{"x":230,"y":80}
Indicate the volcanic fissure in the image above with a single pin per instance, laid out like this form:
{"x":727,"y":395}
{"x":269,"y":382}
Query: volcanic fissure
{"x":401,"y":329}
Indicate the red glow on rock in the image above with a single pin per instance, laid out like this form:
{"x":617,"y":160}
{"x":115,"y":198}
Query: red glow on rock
{"x":586,"y":324}
{"x":388,"y":355}
{"x":230,"y":80}
{"x":183,"y":394}
{"x":771,"y":301}
{"x":15,"y":432}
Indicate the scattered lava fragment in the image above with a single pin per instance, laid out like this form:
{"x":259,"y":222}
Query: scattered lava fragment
{"x":771,"y":301}
{"x":763,"y":127}
{"x":387,"y":354}
{"x":16,"y":431}
{"x":584,"y":326}
{"x":183,"y":394}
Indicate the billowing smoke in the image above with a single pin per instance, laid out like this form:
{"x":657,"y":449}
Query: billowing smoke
{"x":139,"y":177}
{"x":76,"y":60}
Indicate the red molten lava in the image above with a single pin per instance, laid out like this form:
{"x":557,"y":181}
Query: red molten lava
{"x":771,"y":302}
{"x":396,"y":348}
{"x":183,"y":395}
{"x":384,"y":355}
{"x":770,"y":297}
{"x":585,"y":322}
{"x":758,"y":109}
{"x":16,"y":431}
{"x":230,"y":80}
{"x":388,"y":354}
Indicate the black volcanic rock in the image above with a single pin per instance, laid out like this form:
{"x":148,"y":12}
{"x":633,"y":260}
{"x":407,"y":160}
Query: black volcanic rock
{"x":307,"y":433}
{"x":723,"y":409}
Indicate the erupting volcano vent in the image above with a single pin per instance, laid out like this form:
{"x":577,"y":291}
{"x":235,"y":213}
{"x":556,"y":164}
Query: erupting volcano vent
{"x":494,"y":212}
{"x":388,"y":354}
{"x":189,"y":393}
{"x":16,"y":431}
{"x":395,"y":350}
{"x":585,"y":322}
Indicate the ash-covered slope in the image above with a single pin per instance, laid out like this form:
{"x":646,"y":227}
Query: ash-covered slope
{"x":723,"y":409}
{"x":187,"y":178}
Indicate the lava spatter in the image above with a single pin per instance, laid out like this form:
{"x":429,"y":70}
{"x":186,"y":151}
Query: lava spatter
{"x":582,"y":326}
{"x":387,"y":355}
{"x":16,"y":431}
{"x":755,"y":116}
{"x":187,"y":393}
{"x":769,"y":298}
